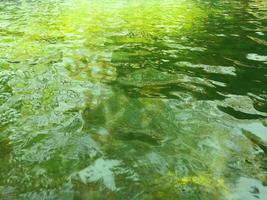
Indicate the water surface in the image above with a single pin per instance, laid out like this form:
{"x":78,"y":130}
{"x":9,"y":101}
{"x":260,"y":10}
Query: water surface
{"x":133,"y":99}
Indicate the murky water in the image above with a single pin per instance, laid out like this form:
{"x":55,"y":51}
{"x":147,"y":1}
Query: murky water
{"x":160,"y":99}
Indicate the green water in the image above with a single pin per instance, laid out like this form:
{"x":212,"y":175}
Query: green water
{"x":133,"y":99}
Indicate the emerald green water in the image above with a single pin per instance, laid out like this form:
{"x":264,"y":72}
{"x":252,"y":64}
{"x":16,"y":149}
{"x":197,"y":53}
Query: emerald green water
{"x":158,"y":99}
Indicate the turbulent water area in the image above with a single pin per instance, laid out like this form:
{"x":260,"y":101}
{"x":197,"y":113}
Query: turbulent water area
{"x":133,"y":99}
